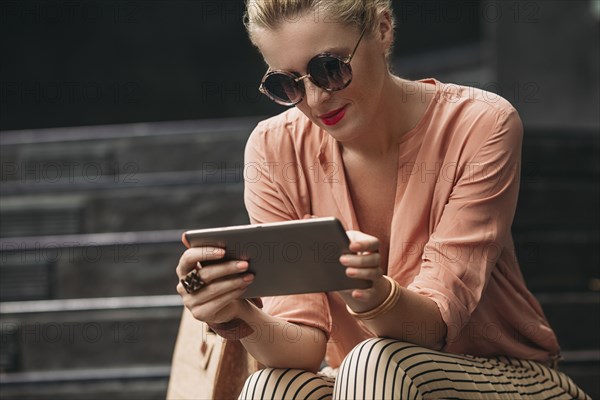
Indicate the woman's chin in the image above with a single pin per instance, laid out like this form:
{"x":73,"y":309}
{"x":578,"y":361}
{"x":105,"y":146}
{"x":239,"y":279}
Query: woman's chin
{"x":345,"y":134}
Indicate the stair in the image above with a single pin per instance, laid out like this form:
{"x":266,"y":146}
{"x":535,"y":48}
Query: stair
{"x":90,"y":235}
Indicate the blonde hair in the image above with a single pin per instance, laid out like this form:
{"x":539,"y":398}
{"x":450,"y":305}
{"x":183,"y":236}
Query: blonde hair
{"x":269,"y":14}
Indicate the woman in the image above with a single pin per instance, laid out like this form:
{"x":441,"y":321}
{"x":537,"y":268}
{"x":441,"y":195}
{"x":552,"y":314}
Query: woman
{"x":425,"y":178}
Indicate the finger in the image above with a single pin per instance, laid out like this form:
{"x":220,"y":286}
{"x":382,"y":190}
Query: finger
{"x":211,"y":291}
{"x":360,"y":241}
{"x":361,"y":260}
{"x":191,"y":257}
{"x":372,"y":295}
{"x":221,"y":270}
{"x":370,"y":274}
{"x":364,"y":296}
{"x":210,"y":311}
{"x":364,"y":245}
{"x":205,"y":253}
{"x":375,"y":295}
{"x":214,"y":293}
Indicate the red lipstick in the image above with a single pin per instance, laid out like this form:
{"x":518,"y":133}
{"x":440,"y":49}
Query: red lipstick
{"x":333,"y":117}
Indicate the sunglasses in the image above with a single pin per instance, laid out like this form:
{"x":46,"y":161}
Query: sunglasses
{"x":327,"y":71}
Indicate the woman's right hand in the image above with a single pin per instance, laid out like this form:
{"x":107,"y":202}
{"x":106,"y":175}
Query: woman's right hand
{"x":219,"y":299}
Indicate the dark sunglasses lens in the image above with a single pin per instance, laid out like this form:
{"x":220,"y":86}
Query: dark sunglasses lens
{"x":330,"y":72}
{"x":283,"y":88}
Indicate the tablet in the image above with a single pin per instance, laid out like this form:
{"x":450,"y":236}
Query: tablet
{"x":288,"y":257}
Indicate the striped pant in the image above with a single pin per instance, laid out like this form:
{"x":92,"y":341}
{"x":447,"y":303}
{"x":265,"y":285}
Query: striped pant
{"x":388,"y":369}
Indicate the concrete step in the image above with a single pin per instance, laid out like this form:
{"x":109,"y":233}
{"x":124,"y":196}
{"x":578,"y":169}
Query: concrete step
{"x":558,"y":203}
{"x":84,"y":266}
{"x":90,"y":153}
{"x":560,"y":154}
{"x":121,"y":383}
{"x":96,"y":265}
{"x":110,"y":178}
{"x":107,"y":344}
{"x":574,"y":318}
{"x":105,"y":264}
{"x":41,"y":154}
{"x":196,"y":197}
{"x":187,"y":204}
{"x":559,"y":261}
{"x":89,"y":333}
{"x":111,"y":332}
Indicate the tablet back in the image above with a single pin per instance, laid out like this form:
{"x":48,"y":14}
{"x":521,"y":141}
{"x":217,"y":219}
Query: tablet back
{"x":286,"y":257}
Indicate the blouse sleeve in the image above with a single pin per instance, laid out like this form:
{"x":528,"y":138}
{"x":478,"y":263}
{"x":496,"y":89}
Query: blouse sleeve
{"x":263,"y":198}
{"x":475,"y":224}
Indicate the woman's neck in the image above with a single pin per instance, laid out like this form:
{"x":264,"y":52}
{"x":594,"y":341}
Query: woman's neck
{"x":402,"y":104}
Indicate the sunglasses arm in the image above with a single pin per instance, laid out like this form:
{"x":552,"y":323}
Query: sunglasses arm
{"x":349,"y":58}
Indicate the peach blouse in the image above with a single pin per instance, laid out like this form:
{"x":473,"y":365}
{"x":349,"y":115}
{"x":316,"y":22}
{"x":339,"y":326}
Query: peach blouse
{"x":457,"y":189}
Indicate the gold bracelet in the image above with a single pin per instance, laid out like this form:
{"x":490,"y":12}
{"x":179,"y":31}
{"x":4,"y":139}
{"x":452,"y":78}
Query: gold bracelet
{"x":386,"y":306}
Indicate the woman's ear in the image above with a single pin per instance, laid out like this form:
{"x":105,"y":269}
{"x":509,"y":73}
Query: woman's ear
{"x":385,"y":32}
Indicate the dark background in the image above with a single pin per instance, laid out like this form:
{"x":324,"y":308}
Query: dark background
{"x":69,"y":63}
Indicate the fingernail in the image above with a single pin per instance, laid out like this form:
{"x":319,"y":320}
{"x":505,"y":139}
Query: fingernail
{"x":242,"y":265}
{"x":344,"y":259}
{"x":248,"y":278}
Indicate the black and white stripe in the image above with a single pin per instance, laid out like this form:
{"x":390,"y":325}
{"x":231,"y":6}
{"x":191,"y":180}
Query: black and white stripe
{"x":271,"y":383}
{"x":388,"y":369}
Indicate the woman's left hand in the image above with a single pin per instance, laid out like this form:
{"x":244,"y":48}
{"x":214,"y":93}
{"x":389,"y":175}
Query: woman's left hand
{"x":364,"y":263}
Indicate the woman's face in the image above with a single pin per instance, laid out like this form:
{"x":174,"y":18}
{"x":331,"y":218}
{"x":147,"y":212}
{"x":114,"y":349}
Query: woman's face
{"x":347,"y":113}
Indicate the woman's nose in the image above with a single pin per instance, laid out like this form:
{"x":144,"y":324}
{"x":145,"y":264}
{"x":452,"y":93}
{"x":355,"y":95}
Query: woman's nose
{"x":314,"y":94}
